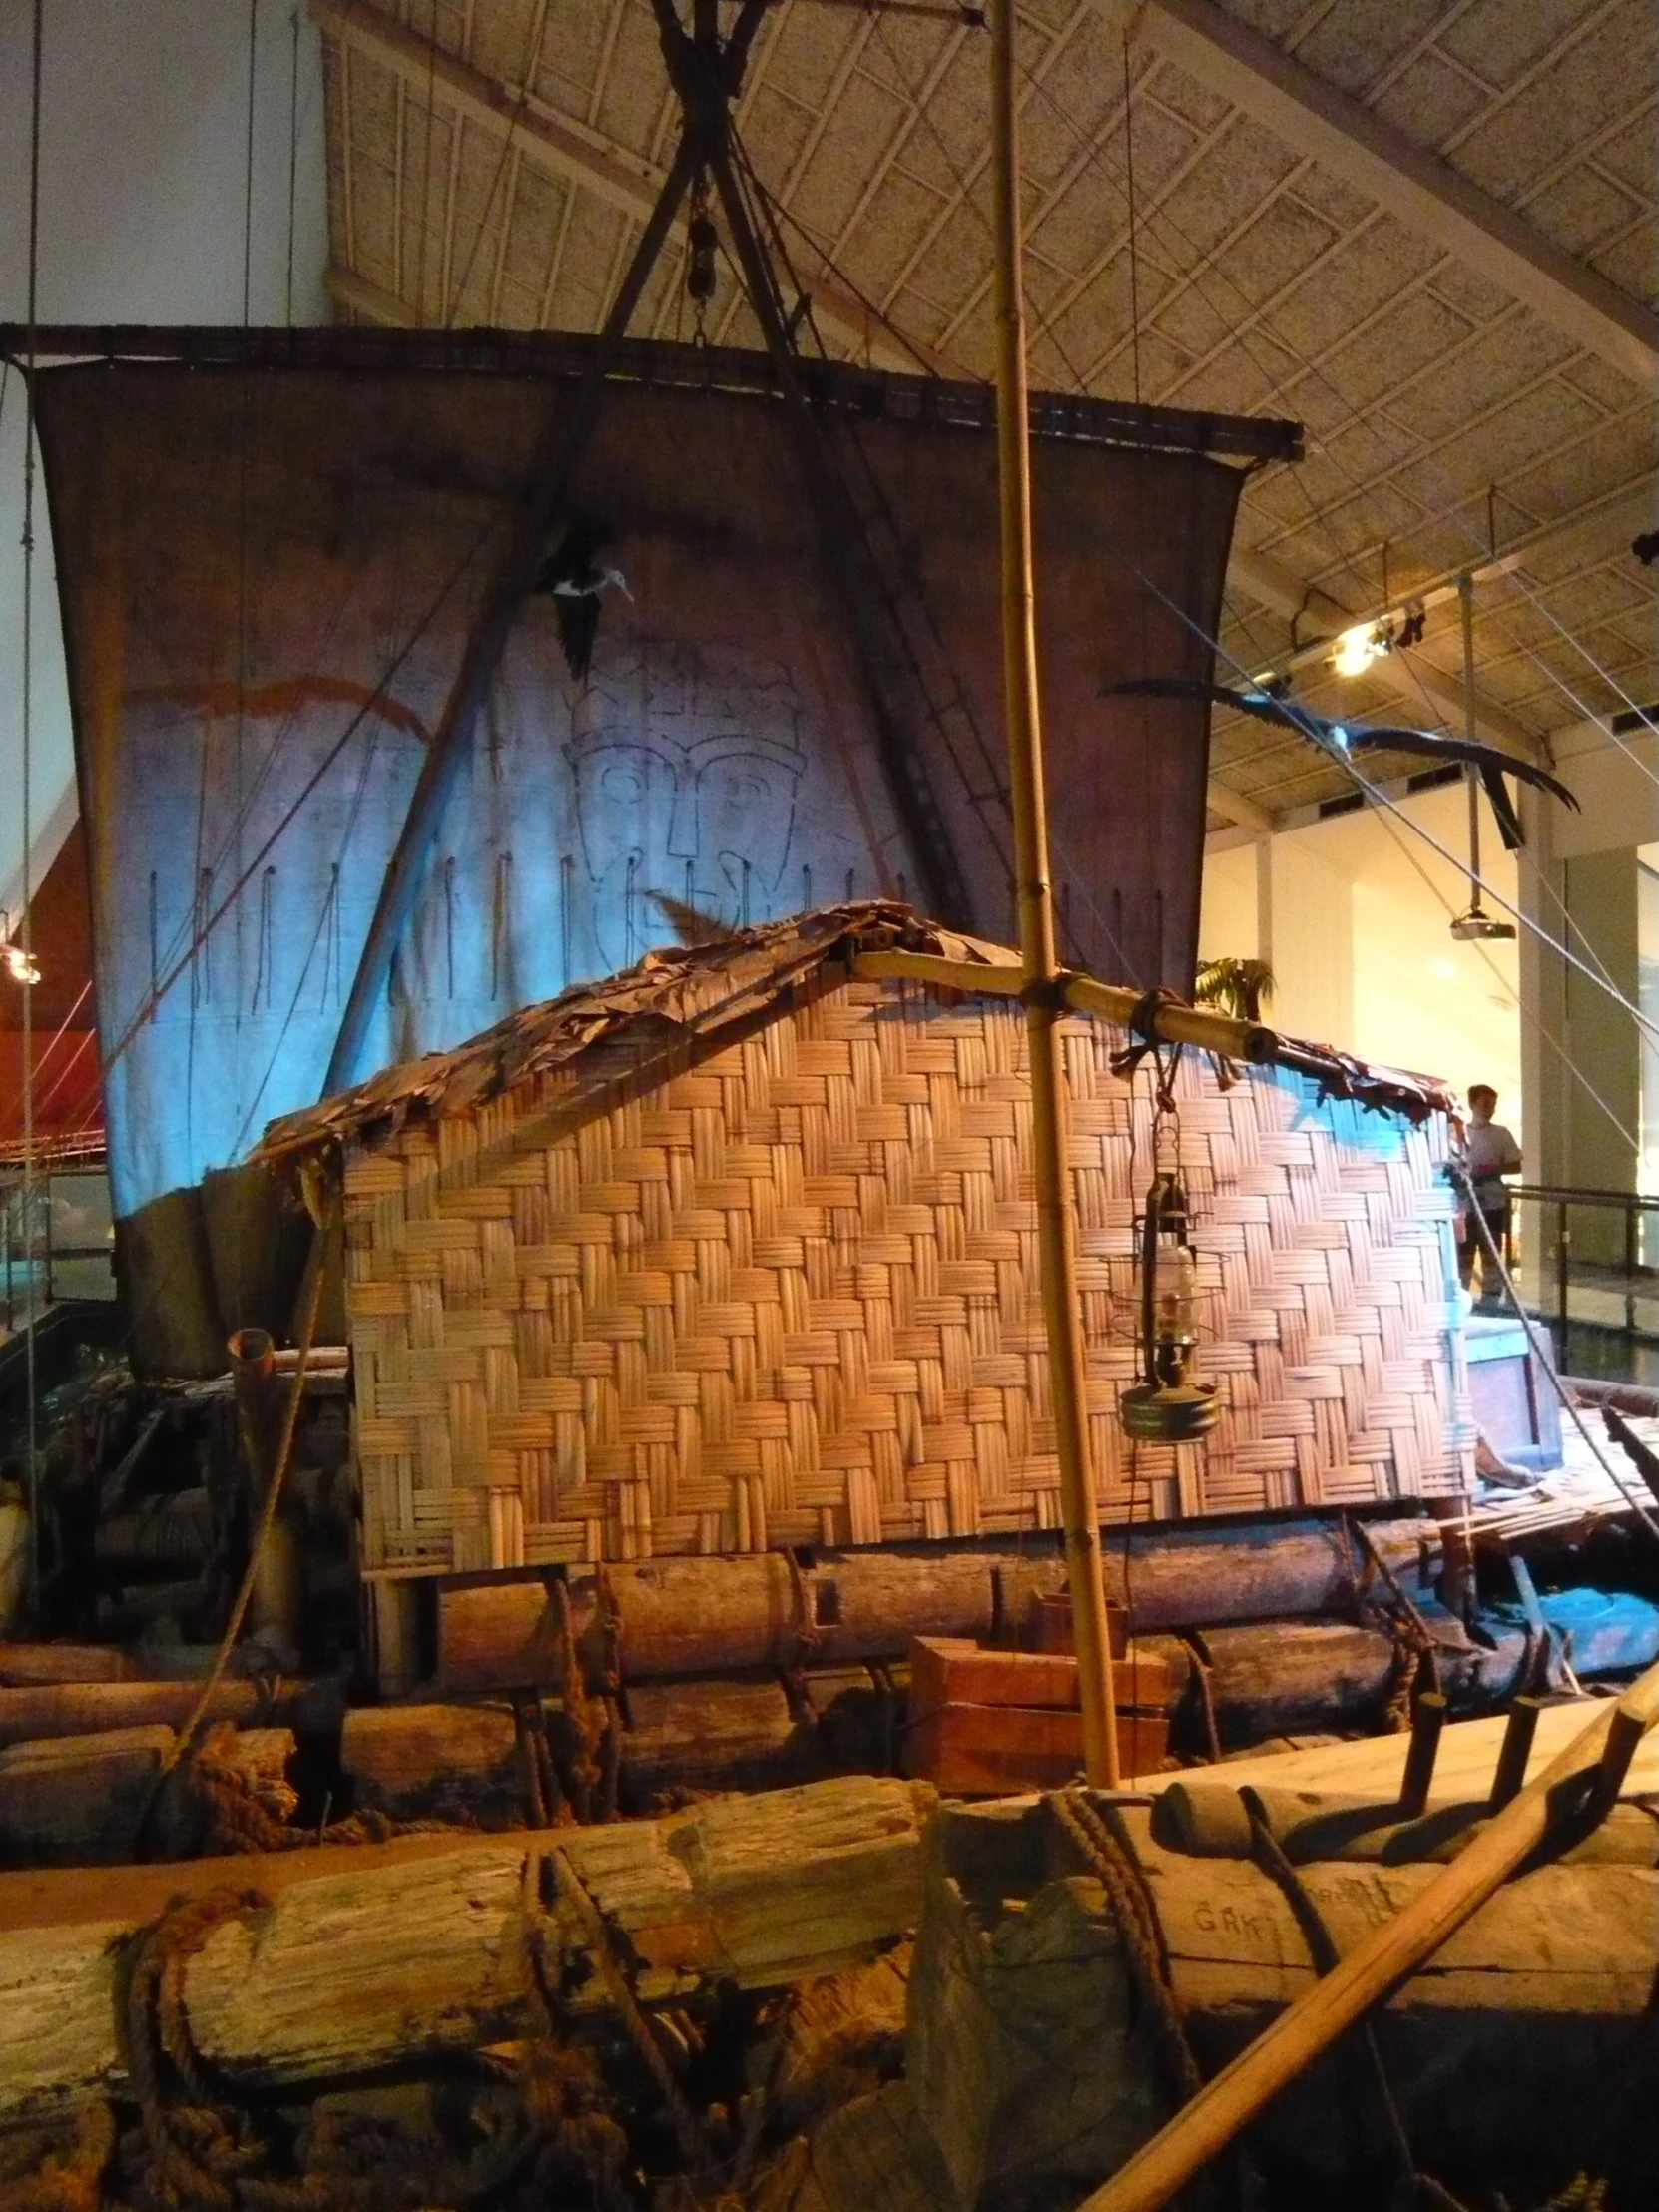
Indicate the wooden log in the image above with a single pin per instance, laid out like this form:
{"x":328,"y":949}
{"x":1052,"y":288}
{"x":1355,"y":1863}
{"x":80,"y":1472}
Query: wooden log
{"x":443,"y":1762}
{"x":93,"y":1708}
{"x":1374,"y":1766}
{"x":719,"y":1736}
{"x":1425,"y":1923}
{"x":1205,"y":1818}
{"x":353,"y":1962}
{"x":706,"y":1616}
{"x":1031,"y":2066}
{"x":24,"y":1664}
{"x":1228,"y":1572}
{"x":730,"y":1734}
{"x":462,"y":1762}
{"x":79,"y":1800}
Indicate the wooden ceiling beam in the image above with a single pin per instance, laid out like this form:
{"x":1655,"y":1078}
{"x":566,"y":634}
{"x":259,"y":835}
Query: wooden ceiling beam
{"x":579,"y":154}
{"x":1424,"y":192}
{"x":1241,"y":812}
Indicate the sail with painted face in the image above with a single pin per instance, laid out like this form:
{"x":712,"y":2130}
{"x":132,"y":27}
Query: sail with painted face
{"x":271,"y":567}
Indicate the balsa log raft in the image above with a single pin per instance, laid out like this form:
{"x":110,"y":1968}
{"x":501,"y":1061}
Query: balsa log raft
{"x":351,"y":1962}
{"x":1287,"y":1678}
{"x":719,"y":1615}
{"x":1030,"y":2065}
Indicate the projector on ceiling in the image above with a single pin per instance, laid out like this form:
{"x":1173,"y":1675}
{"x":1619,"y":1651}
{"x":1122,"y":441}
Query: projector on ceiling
{"x":1477,"y":924}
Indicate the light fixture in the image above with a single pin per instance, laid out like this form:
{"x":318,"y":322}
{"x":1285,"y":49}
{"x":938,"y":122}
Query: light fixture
{"x":1355,"y":649}
{"x":20,"y":967}
{"x":1167,"y":1406}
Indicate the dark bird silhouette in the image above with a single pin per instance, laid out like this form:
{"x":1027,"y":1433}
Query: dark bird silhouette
{"x":1343,"y":738}
{"x":575,"y":581}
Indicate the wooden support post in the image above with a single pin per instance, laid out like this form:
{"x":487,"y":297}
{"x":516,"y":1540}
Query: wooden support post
{"x":1044,"y":984}
{"x":1380,"y":1964}
{"x":1516,"y":1752}
{"x":1427,"y":1720}
{"x":279,"y":1601}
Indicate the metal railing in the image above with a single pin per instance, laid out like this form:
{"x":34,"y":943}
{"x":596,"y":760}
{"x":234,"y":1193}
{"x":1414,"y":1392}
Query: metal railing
{"x":1611,"y":1266}
{"x":55,"y":1241}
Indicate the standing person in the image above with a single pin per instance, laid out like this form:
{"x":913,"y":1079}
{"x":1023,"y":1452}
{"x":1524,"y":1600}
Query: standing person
{"x":1489,"y":1153}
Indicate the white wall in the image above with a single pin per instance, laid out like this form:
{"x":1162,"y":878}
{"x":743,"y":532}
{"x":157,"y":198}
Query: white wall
{"x":1357,"y":913}
{"x":143,"y":122}
{"x":1228,"y":921}
{"x":1617,"y":786}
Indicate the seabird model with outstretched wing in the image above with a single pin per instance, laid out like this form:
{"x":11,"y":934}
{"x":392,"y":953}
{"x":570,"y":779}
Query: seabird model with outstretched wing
{"x":575,"y":581}
{"x":1343,"y":738}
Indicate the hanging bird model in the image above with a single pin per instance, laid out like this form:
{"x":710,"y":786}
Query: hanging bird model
{"x":1343,"y":738}
{"x":576,"y":580}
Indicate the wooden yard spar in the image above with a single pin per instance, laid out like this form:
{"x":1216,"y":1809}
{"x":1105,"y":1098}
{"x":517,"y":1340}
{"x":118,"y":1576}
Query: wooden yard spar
{"x":1044,"y":992}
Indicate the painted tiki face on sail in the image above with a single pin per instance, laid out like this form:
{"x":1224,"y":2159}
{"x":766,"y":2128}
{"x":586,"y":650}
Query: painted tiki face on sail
{"x":687,"y":768}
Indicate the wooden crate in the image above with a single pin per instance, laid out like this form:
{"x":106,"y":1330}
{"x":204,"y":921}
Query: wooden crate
{"x":998,"y":1722}
{"x":1048,"y":1624}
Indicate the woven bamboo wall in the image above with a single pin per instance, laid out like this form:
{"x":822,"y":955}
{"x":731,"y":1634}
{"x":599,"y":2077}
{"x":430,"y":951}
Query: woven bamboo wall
{"x":791,"y":1296}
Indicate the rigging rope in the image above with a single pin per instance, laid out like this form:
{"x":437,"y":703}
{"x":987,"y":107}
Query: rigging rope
{"x":26,"y":923}
{"x":293,"y":155}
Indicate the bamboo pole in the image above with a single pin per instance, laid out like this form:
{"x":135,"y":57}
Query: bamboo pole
{"x":1044,"y":984}
{"x":1590,"y":1772}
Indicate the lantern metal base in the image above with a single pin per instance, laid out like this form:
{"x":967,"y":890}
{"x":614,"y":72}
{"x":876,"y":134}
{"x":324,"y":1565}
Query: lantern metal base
{"x":1153,"y":1415}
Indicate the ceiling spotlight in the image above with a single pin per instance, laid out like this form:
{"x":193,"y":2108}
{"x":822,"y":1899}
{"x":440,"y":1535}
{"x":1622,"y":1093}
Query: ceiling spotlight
{"x":1357,"y":648}
{"x":20,"y":966}
{"x":1479,"y":926}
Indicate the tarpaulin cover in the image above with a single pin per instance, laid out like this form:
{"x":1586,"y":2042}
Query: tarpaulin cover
{"x":268,"y":579}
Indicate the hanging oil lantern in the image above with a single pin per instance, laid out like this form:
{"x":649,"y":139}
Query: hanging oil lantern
{"x":1168,"y":1405}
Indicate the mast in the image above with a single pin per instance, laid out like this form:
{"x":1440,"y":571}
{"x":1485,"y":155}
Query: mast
{"x":1044,"y":992}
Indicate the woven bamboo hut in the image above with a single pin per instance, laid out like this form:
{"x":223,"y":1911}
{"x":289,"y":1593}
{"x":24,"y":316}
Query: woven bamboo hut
{"x":738,"y":1251}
